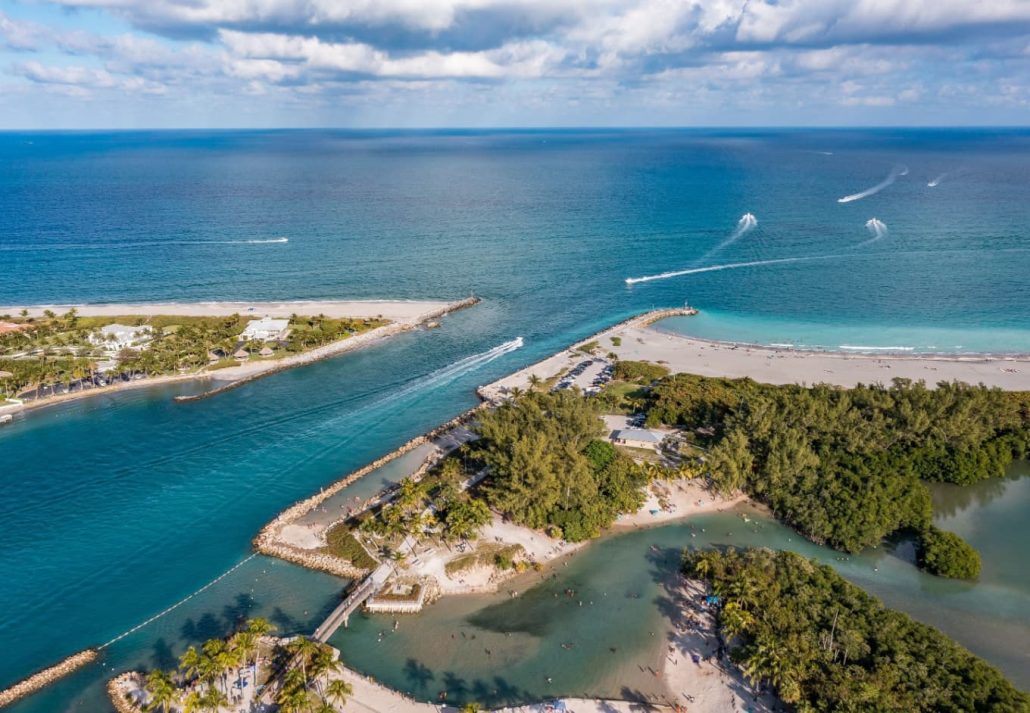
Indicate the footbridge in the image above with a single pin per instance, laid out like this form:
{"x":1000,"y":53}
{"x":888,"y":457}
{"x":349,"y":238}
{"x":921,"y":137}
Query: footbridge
{"x":354,"y":599}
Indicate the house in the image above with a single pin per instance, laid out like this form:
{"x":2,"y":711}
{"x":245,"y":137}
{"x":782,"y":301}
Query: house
{"x":115,"y":337}
{"x":242,"y":354}
{"x":265,"y":329}
{"x":266,"y":352}
{"x":637,"y":438}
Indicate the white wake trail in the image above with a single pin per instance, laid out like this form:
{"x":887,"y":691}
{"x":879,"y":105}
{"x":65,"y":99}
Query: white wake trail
{"x":891,"y":178}
{"x":727,"y":266}
{"x":746,"y":224}
{"x":878,"y":229}
{"x":937,"y":181}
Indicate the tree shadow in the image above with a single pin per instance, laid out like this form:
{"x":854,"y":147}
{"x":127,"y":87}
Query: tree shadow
{"x":162,"y":656}
{"x":207,"y":627}
{"x":418,"y":674}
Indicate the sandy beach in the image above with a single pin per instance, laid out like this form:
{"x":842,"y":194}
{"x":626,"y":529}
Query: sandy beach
{"x":641,"y":342}
{"x":783,"y":366}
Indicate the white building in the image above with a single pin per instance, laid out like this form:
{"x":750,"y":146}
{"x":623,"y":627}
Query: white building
{"x":266,"y":329}
{"x":638,"y":438}
{"x":115,"y":337}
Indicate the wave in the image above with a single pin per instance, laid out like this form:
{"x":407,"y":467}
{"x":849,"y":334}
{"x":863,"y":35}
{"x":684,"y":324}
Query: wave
{"x":258,"y":242}
{"x":859,"y":348}
{"x":891,"y":177}
{"x":729,"y":266}
{"x":745,"y":224}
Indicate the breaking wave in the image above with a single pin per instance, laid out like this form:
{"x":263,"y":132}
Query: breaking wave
{"x":891,"y":178}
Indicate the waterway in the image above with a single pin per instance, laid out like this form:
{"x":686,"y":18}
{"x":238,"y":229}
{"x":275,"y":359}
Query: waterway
{"x":115,"y":508}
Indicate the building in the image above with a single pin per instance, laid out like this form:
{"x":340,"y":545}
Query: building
{"x":266,"y":329}
{"x":637,"y":438}
{"x":115,"y":337}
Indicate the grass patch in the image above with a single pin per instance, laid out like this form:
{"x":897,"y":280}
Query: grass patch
{"x":408,"y":593}
{"x":340,"y":542}
{"x":622,"y":397}
{"x":222,"y":364}
{"x":497,"y":555}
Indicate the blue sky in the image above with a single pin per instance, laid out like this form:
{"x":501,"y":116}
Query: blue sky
{"x":480,"y":63}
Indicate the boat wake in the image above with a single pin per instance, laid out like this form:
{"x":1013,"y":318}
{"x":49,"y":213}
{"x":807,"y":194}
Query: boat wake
{"x":133,"y":246}
{"x":878,"y":229}
{"x":891,"y":178}
{"x":937,"y":181}
{"x":745,"y":225}
{"x":728,"y":266}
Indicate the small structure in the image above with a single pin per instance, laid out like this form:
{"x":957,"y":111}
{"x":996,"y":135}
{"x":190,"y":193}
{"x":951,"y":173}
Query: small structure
{"x":115,"y":337}
{"x":242,"y":354}
{"x":265,"y":329}
{"x":637,"y":438}
{"x":266,"y":352}
{"x":212,"y":357}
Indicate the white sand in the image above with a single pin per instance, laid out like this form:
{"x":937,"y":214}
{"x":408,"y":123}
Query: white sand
{"x":708,"y":684}
{"x":394,"y":310}
{"x":780,"y":366}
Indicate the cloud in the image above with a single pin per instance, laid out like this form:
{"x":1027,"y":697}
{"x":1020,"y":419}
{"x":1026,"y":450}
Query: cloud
{"x":800,"y":58}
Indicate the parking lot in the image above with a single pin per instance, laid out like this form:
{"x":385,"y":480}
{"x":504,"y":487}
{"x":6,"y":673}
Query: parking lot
{"x":589,"y":376}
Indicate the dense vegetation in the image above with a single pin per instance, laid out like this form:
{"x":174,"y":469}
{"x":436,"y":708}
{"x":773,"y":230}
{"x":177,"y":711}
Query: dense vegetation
{"x":844,"y":466}
{"x":439,"y":504}
{"x":548,"y":468}
{"x":948,"y":555}
{"x":56,"y":349}
{"x":825,"y":645}
{"x":207,"y":677}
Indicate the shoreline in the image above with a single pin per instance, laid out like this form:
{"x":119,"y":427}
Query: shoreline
{"x":401,"y":321}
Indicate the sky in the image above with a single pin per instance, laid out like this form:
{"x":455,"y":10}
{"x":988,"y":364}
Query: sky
{"x":67,"y":64}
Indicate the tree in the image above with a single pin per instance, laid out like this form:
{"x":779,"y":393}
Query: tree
{"x":338,"y":690}
{"x":163,"y":692}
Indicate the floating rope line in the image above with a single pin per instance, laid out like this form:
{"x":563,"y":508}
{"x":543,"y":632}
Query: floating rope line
{"x":179,"y":603}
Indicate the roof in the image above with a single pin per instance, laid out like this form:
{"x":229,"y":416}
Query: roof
{"x":241,"y":354}
{"x":123,"y":330}
{"x":639,"y":434}
{"x":267,"y":352}
{"x":267,"y":324}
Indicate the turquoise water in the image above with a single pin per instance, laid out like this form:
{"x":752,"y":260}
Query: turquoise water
{"x":119,"y":506}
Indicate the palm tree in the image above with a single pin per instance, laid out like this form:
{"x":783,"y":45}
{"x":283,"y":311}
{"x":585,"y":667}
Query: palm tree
{"x":472,"y":707}
{"x":162,"y":691}
{"x":324,"y":664}
{"x":534,"y":381}
{"x":338,"y":690}
{"x":192,"y":703}
{"x":189,"y":662}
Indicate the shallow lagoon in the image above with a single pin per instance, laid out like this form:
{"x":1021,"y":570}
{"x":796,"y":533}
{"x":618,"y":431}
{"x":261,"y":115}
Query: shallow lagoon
{"x":496,"y":649}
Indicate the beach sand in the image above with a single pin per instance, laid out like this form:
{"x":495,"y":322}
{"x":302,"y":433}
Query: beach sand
{"x":783,"y":366}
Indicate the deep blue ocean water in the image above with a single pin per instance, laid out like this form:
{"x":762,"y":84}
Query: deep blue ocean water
{"x":114,"y":508}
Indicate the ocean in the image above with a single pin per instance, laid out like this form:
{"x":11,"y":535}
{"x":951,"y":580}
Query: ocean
{"x":118,"y":507}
